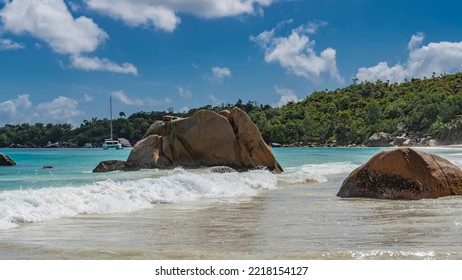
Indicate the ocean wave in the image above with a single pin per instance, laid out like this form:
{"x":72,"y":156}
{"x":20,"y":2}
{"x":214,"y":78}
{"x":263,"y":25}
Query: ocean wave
{"x":116,"y":196}
{"x":330,"y":168}
{"x":309,"y":173}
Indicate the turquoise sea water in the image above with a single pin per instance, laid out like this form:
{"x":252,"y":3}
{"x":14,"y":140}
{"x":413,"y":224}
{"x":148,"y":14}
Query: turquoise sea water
{"x":71,"y":167}
{"x":69,"y":212}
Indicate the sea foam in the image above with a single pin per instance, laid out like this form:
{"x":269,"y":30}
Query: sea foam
{"x":309,"y":173}
{"x":117,"y":196}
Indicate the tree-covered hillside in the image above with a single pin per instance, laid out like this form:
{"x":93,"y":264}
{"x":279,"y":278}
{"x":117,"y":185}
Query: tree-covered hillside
{"x":428,"y":107}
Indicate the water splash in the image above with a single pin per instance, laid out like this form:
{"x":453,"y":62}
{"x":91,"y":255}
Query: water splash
{"x":116,"y":196}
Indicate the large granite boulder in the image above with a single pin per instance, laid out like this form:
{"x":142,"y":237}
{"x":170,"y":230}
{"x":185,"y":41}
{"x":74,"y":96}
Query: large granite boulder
{"x":205,"y":139}
{"x":403,"y":174}
{"x":6,"y":160}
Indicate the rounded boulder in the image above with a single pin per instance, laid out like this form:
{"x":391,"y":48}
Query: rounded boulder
{"x":403,"y":174}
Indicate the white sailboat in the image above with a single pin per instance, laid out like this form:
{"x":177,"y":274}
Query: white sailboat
{"x":111,"y":143}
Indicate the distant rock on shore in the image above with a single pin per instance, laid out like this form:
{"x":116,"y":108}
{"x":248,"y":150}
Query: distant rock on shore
{"x":205,"y":139}
{"x":403,"y":173}
{"x":124,"y":142}
{"x":380,"y":139}
{"x":49,"y":144}
{"x":6,"y":160}
{"x":61,"y":145}
{"x":383,"y":139}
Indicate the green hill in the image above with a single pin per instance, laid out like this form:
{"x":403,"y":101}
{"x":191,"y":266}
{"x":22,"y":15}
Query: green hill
{"x":350,"y":115}
{"x":428,"y":107}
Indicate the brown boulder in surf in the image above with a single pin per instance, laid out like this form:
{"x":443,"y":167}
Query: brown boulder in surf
{"x":204,"y":139}
{"x":403,"y":174}
{"x":6,"y":160}
{"x":110,"y":165}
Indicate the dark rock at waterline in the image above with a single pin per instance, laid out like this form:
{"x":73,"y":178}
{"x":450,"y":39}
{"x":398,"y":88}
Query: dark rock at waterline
{"x":6,"y":160}
{"x":110,"y":165}
{"x":403,"y":174}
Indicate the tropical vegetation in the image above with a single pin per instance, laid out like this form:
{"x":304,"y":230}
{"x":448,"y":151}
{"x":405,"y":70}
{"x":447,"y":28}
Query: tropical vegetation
{"x":350,"y":115}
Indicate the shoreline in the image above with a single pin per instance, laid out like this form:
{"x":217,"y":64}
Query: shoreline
{"x":459,"y":145}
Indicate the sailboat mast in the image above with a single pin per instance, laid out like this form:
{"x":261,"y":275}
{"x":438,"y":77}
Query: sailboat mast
{"x":110,"y":110}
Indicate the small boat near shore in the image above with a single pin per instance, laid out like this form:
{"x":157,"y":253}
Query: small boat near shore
{"x":111,"y":143}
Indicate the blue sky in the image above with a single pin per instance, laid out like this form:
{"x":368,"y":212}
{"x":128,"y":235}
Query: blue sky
{"x":60,"y":60}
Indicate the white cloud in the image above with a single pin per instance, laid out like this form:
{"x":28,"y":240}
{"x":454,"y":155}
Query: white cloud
{"x":13,"y":107}
{"x":61,"y":109}
{"x":186,"y":93}
{"x":219,"y":73}
{"x":284,"y":23}
{"x":136,"y":13}
{"x":217,"y":9}
{"x":101,"y":64}
{"x":287,"y":95}
{"x":75,"y":7}
{"x":21,"y":110}
{"x":7,"y":44}
{"x":296,"y":54}
{"x":122,"y":97}
{"x":125,"y":99}
{"x":311,"y":27}
{"x":87,"y":98}
{"x":438,"y":58}
{"x":416,"y":41}
{"x":51,"y":21}
{"x":382,"y":72}
{"x":212,"y":98}
{"x":163,"y":14}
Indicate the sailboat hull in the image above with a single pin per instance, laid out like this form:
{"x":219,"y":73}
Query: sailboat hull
{"x":111,"y":144}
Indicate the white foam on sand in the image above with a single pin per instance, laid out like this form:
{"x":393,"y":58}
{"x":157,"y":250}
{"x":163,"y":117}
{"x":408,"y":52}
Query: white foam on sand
{"x":117,"y":196}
